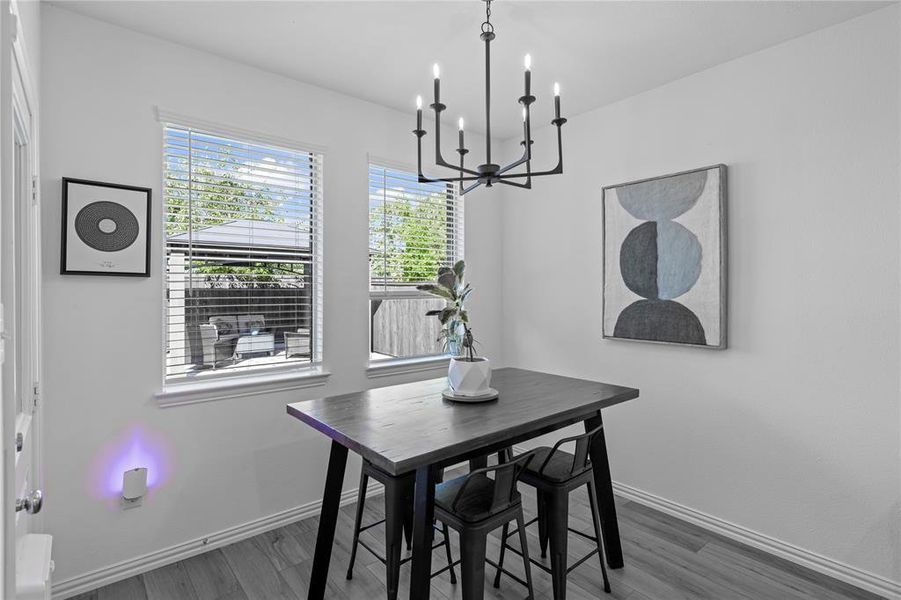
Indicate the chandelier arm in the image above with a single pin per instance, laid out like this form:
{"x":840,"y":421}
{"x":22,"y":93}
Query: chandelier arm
{"x":526,"y":143}
{"x":525,"y":159}
{"x":419,"y":133}
{"x":528,"y":182}
{"x":468,"y":189}
{"x":425,"y":179}
{"x":439,"y":159}
{"x":527,"y":185}
{"x":512,"y":165}
{"x":527,"y":138}
{"x":462,"y":152}
{"x":526,"y":153}
{"x":473,"y":176}
{"x":557,"y":170}
{"x":506,"y":179}
{"x":422,"y":178}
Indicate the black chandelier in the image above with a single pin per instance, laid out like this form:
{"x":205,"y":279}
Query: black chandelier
{"x":489,"y":173}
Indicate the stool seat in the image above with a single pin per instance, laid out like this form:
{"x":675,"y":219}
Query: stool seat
{"x":559,"y":469}
{"x":475,"y":505}
{"x":478,"y":500}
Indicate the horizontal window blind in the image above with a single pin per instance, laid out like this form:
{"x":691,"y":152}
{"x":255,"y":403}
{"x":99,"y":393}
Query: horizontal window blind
{"x":243,"y":239}
{"x":414,"y":228}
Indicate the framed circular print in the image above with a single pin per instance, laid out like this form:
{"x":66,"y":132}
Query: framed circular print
{"x":105,"y":229}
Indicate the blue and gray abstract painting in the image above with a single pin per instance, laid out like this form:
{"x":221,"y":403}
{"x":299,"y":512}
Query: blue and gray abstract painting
{"x":660,"y":260}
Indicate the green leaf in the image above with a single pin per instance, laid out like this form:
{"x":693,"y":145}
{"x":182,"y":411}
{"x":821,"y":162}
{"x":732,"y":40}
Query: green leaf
{"x":443,"y":270}
{"x":448,"y":280}
{"x":432,"y":313}
{"x":459,"y":268}
{"x":435,"y":290}
{"x":447,"y":313}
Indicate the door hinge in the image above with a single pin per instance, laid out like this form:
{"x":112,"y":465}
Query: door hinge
{"x":13,"y":27}
{"x":34,"y":189}
{"x":36,"y":395}
{"x":2,"y":336}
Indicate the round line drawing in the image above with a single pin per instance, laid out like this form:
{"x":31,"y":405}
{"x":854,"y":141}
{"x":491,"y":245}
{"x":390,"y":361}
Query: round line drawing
{"x":106,"y":226}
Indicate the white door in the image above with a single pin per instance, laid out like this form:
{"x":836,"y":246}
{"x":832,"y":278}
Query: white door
{"x":20,"y":302}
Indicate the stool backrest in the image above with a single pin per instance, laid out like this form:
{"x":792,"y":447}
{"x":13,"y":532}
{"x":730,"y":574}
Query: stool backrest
{"x":505,"y":477}
{"x":580,"y":456}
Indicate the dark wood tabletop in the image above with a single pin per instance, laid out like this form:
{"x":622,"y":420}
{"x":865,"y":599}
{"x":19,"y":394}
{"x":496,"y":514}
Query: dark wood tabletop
{"x":403,"y":427}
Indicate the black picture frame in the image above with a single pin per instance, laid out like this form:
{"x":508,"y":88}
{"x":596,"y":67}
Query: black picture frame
{"x":64,"y":242}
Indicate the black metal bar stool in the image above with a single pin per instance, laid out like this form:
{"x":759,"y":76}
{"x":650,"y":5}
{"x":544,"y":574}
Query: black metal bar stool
{"x":398,"y":524}
{"x":554,"y":473}
{"x":475,"y":505}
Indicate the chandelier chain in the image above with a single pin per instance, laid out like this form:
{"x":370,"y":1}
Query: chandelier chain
{"x":487,"y":27}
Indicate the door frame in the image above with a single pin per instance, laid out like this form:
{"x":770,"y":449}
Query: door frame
{"x":19,"y":127}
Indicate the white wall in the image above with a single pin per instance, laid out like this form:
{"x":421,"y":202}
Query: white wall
{"x":794,"y":430}
{"x":235,"y":460}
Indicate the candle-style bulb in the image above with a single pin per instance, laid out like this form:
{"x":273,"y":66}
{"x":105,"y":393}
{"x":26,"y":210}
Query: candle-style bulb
{"x":436,"y":71}
{"x":418,"y":102}
{"x":556,"y":100}
{"x":523,"y":114}
{"x":528,"y":61}
{"x":460,"y":123}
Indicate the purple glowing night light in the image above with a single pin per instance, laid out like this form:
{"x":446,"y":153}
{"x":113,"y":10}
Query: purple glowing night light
{"x":135,"y":447}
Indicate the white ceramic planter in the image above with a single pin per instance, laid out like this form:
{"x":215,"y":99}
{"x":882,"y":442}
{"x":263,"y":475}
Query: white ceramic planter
{"x":469,"y":378}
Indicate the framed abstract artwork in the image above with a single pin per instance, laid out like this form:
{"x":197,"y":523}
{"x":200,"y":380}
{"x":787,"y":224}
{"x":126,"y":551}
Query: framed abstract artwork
{"x":665,"y":259}
{"x":105,"y":229}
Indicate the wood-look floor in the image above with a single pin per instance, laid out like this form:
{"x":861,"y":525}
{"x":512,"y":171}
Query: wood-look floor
{"x":666,"y":559}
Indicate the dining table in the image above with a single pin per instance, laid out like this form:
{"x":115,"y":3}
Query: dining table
{"x":411,"y":428}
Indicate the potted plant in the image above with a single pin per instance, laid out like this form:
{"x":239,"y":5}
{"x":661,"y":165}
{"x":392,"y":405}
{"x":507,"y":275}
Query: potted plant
{"x":468,"y":374}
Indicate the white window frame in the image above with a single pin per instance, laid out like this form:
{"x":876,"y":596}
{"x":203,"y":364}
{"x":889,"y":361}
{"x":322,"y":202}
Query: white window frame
{"x":259,"y":379}
{"x":427,"y":362}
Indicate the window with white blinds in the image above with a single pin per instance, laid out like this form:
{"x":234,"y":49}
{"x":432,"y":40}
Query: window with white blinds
{"x":414,"y":228}
{"x":243,"y":241}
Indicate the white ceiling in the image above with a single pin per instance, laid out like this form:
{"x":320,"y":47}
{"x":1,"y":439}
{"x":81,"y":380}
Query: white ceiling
{"x":600,"y":52}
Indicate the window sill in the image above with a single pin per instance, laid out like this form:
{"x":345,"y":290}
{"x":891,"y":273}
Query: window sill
{"x":176,"y":394}
{"x":399,"y":366}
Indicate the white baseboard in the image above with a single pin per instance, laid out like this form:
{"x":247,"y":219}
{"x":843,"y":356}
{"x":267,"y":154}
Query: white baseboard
{"x":160,"y":558}
{"x":857,"y":577}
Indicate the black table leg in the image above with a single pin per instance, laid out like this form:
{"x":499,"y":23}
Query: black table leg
{"x":395,"y":507}
{"x":604,"y":484}
{"x":423,"y":533}
{"x":479,"y":462}
{"x":328,"y":518}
